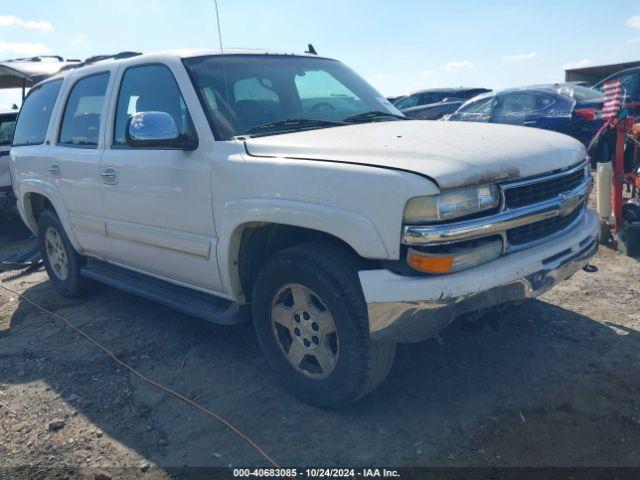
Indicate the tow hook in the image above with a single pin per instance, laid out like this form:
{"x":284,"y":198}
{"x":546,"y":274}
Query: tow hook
{"x":590,"y":268}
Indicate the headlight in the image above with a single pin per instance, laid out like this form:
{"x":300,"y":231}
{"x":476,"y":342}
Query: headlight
{"x":451,"y":204}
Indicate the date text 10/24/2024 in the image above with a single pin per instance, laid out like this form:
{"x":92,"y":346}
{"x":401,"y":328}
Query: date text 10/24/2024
{"x":317,"y":472}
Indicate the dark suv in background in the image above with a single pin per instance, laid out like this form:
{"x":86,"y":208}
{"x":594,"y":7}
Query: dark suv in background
{"x":433,"y":104}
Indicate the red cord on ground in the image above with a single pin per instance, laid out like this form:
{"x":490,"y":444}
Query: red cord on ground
{"x":150,"y":381}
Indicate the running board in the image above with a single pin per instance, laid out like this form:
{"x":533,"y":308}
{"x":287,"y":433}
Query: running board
{"x":191,"y":302}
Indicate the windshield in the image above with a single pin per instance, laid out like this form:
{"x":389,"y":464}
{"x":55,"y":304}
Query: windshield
{"x":7,"y":124}
{"x":269,"y":94}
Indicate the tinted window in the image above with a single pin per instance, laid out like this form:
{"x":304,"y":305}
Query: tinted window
{"x":81,"y":120}
{"x":150,"y":88}
{"x":7,"y":124}
{"x":33,"y":121}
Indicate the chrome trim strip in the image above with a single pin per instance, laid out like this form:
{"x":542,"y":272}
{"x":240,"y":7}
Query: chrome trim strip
{"x":545,"y":178}
{"x":562,"y":205}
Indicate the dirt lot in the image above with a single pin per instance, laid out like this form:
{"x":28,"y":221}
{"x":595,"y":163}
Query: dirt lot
{"x":553,"y":383}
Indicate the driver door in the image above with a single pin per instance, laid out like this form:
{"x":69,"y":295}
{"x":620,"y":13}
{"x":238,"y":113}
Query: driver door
{"x":158,"y":201}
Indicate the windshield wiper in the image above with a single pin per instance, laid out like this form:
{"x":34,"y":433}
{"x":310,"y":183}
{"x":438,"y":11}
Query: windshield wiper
{"x":291,"y":124}
{"x":373,"y":115}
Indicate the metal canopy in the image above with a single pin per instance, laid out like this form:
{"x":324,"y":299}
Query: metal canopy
{"x":26,"y":72}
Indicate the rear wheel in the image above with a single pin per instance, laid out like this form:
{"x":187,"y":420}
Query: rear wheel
{"x":311,"y":322}
{"x":62,"y":261}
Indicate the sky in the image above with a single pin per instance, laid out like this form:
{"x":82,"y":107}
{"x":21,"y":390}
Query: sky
{"x":398,"y":46}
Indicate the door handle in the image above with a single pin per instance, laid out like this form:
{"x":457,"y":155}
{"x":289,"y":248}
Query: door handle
{"x":55,"y":170}
{"x":109,"y":175}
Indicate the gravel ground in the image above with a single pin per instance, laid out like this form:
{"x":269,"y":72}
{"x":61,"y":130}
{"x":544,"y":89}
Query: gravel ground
{"x":551,"y":383}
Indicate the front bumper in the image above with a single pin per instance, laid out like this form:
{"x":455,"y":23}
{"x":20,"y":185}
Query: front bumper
{"x":408,"y":309}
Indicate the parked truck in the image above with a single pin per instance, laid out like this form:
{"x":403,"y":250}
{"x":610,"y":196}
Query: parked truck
{"x":286,"y":189}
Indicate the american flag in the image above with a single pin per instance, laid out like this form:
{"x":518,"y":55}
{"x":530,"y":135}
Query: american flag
{"x":612,"y":99}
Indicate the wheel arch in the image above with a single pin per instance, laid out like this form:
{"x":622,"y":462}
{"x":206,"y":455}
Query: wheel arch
{"x":262,"y":228}
{"x":34,"y":199}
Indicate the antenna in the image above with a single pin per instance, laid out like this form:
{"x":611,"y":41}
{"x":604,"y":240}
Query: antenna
{"x":311,"y":50}
{"x":215,"y":2}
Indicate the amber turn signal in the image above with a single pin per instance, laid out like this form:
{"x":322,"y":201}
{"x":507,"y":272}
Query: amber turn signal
{"x":428,"y":264}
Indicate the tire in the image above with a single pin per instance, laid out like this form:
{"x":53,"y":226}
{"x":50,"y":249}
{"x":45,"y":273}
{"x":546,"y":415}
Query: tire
{"x":62,"y":262}
{"x":334,"y":361}
{"x":629,"y":240}
{"x":605,"y":234}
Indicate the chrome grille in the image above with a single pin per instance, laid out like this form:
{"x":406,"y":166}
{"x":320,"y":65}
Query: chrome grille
{"x":522,"y":195}
{"x":537,"y":231}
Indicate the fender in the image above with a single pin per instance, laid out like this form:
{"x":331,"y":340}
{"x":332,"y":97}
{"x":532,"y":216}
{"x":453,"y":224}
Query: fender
{"x":48,"y":190}
{"x":352,"y":228}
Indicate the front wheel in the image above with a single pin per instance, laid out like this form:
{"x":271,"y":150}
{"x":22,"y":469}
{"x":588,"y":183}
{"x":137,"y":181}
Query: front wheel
{"x":311,"y":321}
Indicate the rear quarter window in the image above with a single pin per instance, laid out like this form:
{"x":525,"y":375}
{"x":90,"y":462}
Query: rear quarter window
{"x":34,"y":117}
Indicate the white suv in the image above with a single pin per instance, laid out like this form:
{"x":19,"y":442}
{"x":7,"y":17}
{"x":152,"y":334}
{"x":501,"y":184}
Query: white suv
{"x":287,"y":187}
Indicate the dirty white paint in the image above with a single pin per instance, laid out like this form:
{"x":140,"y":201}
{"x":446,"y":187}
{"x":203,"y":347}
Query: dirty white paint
{"x":454,"y":154}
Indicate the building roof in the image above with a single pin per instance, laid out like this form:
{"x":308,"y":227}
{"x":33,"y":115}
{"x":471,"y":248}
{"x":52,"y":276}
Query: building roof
{"x":596,"y":73}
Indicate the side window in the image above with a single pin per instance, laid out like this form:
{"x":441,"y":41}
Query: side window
{"x":516,"y":103}
{"x":34,"y":117}
{"x":81,"y":121}
{"x":150,"y":88}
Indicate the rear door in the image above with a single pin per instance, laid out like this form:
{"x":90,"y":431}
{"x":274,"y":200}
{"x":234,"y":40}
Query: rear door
{"x":158,"y":202}
{"x":73,"y":161}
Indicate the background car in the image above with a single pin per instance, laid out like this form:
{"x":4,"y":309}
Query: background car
{"x":435,"y":103}
{"x":630,"y":80}
{"x":7,"y":123}
{"x":566,"y":108}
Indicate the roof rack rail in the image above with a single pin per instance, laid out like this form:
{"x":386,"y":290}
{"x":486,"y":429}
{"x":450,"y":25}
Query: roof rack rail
{"x":99,"y":58}
{"x":37,"y":58}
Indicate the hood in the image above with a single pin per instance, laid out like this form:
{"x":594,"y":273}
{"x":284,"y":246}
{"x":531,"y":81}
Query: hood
{"x":453,"y":154}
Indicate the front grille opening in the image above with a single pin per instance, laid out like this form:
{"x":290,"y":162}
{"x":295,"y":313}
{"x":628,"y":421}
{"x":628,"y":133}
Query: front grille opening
{"x":539,"y":230}
{"x":524,"y":195}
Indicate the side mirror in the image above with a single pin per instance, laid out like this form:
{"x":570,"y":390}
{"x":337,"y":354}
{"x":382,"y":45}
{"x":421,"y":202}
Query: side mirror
{"x":156,"y":130}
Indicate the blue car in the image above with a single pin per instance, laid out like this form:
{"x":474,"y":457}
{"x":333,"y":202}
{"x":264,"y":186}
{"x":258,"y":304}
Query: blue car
{"x":566,"y":108}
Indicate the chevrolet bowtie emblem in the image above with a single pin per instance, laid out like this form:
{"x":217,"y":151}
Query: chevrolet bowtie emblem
{"x":568,"y":204}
